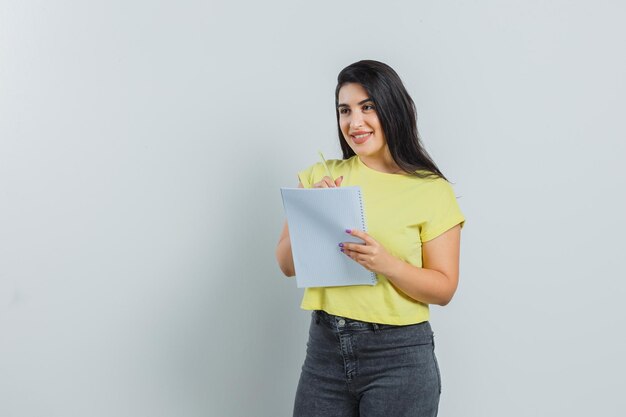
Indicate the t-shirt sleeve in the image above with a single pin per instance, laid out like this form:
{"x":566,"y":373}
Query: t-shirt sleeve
{"x":444,"y":211}
{"x":310,"y":175}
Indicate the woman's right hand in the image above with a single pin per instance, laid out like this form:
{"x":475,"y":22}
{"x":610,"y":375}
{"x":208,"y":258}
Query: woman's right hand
{"x":327,"y":182}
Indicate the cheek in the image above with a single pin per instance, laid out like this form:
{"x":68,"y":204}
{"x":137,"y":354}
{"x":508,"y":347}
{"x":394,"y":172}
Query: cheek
{"x":345,"y":127}
{"x":379,"y":130}
{"x":375,"y":123}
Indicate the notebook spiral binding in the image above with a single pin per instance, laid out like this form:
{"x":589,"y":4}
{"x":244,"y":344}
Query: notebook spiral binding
{"x":364,"y":228}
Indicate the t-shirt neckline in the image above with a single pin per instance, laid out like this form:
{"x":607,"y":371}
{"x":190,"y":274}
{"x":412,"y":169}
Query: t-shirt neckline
{"x":366,"y":168}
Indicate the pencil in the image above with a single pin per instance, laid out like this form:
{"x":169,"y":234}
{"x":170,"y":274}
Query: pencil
{"x":326,"y":165}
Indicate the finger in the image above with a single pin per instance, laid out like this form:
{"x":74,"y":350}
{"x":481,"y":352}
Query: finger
{"x":361,"y":259}
{"x":361,"y":235}
{"x":350,"y":254}
{"x":338,"y":181}
{"x":320,"y":184}
{"x":329,"y":182}
{"x":354,"y":247}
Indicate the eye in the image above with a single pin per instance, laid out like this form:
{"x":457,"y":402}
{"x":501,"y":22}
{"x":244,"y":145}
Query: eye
{"x":343,"y":110}
{"x":369,"y":106}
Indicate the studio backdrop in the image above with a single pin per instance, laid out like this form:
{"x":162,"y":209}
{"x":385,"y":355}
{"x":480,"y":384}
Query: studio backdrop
{"x":143,"y":145}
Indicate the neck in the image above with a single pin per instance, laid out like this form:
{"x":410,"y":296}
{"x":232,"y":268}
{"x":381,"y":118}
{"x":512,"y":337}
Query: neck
{"x":383,"y":163}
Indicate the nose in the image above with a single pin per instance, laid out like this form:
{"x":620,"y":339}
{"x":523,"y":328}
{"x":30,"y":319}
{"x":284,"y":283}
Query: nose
{"x":356,"y":120}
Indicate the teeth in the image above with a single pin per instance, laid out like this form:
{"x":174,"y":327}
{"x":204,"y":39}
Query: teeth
{"x":361,"y":136}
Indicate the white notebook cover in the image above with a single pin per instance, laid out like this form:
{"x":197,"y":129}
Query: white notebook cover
{"x":317,"y":219}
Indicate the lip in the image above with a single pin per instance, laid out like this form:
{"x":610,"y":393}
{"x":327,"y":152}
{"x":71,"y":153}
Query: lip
{"x":360,"y":140}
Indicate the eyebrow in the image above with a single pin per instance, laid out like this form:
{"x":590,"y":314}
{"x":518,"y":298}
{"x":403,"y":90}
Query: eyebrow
{"x":359,"y":103}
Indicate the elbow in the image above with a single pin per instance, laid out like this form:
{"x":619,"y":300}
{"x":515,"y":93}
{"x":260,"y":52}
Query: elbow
{"x":284,"y":264}
{"x":444,"y":302}
{"x":445,"y":299}
{"x":288,"y":272}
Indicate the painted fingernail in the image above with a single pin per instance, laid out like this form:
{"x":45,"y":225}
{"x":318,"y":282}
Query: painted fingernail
{"x":348,"y":231}
{"x":341,"y":250}
{"x":341,"y":245}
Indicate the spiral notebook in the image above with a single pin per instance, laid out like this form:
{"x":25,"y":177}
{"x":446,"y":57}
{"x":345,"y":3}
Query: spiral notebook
{"x":318,"y":219}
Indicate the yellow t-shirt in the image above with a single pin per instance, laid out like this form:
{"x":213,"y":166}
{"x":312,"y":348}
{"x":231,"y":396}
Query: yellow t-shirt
{"x":401,"y":212}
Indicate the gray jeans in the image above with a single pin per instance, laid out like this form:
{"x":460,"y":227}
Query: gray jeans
{"x":358,"y":369}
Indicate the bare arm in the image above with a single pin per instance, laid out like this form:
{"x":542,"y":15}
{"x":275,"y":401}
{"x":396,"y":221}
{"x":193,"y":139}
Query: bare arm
{"x":434,"y":283}
{"x":283,"y":253}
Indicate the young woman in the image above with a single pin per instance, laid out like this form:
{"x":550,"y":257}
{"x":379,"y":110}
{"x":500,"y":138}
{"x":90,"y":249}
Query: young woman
{"x":370,"y":351}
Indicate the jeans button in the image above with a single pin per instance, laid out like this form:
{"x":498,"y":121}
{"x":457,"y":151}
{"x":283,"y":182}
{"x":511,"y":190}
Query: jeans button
{"x":341,"y":322}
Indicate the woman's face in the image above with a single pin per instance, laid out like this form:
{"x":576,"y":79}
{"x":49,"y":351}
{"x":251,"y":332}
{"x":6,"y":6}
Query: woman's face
{"x":359,"y":122}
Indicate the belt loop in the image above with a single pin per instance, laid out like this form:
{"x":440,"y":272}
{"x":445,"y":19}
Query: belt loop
{"x":317,"y":317}
{"x":375,"y":326}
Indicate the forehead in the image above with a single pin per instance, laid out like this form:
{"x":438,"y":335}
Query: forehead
{"x":351,"y":93}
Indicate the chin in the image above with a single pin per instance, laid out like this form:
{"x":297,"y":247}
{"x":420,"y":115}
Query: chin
{"x":367,"y":152}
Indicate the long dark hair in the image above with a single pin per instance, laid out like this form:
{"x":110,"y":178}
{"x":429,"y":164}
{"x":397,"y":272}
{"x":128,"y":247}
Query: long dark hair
{"x":396,"y":111}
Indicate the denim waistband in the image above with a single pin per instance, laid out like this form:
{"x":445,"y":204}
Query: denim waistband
{"x":339,"y":323}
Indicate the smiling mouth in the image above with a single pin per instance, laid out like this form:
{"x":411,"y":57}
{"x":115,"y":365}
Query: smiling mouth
{"x":361,"y":138}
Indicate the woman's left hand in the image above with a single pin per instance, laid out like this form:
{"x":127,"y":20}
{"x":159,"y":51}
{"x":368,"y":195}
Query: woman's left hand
{"x":371,"y":254}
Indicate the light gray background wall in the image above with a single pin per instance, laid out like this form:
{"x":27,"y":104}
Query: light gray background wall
{"x":142,"y":145}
